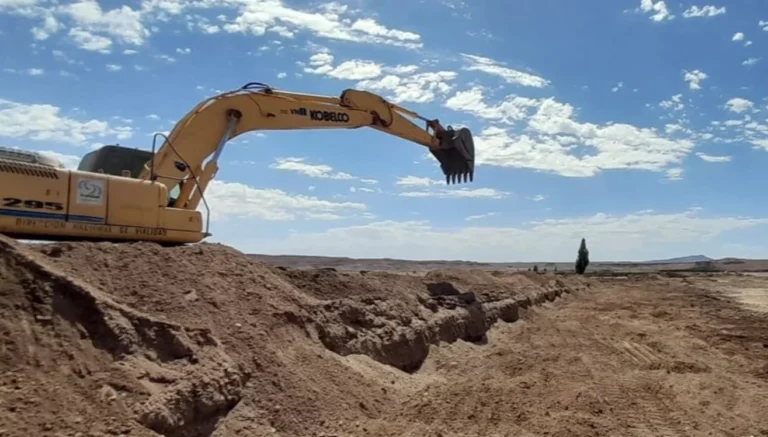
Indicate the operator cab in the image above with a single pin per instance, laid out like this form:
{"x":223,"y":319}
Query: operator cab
{"x":114,"y":159}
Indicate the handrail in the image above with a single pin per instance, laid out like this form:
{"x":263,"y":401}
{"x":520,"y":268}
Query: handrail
{"x":153,"y":176}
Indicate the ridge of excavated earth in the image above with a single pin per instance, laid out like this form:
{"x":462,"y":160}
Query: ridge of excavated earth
{"x":102,"y":339}
{"x":170,"y":338}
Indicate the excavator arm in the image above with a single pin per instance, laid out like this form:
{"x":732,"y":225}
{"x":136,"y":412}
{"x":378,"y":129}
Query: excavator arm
{"x":189,"y":156}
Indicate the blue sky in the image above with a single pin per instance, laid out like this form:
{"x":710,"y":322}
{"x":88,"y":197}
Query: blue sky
{"x":639,"y":125}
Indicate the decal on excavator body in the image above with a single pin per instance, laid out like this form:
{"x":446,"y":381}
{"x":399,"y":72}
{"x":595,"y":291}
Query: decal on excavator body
{"x":317,"y":115}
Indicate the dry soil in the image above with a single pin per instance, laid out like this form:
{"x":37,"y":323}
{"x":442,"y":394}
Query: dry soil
{"x":100,"y":339}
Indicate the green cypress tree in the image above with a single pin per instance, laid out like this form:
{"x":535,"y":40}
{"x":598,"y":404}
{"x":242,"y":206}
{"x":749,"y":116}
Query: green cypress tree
{"x":583,"y":260}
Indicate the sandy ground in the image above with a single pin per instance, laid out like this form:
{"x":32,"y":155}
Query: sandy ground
{"x":660,"y":358}
{"x":753,"y":294}
{"x":102,"y":340}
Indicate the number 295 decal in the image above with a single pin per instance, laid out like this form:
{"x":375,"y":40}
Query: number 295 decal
{"x":13,"y":202}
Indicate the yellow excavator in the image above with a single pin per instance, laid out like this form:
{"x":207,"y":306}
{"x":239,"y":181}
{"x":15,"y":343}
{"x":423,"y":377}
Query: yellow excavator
{"x":124,"y":194}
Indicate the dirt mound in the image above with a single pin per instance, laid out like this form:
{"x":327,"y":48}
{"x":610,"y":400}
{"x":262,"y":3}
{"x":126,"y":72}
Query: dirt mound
{"x":68,"y":344}
{"x":195,"y":341}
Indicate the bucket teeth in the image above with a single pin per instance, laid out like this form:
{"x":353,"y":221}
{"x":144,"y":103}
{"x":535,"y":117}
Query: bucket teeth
{"x":459,"y":177}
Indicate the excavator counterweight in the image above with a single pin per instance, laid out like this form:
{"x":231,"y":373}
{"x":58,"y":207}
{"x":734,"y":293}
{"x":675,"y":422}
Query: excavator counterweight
{"x":123,"y":194}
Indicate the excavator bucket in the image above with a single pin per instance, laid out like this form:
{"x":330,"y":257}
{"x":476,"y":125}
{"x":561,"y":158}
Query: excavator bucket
{"x":456,"y":155}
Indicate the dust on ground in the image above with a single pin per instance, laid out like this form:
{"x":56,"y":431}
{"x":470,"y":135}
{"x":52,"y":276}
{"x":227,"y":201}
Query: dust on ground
{"x":100,"y":339}
{"x":751,"y":291}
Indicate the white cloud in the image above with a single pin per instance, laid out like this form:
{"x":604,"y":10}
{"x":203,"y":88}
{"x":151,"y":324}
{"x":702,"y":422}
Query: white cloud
{"x":96,"y":29}
{"x":705,"y":11}
{"x":538,"y":197}
{"x":659,"y":10}
{"x":123,"y":23}
{"x":184,"y":51}
{"x":675,"y":103}
{"x":511,"y":110}
{"x":114,"y":67}
{"x":43,"y":122}
{"x":299,"y":165}
{"x":90,"y":27}
{"x":738,"y":36}
{"x":401,"y":69}
{"x":35,"y":71}
{"x":480,"y":216}
{"x":747,"y":129}
{"x":336,"y":22}
{"x":408,"y":86}
{"x":425,"y":182}
{"x":694,"y":79}
{"x":739,"y":105}
{"x":417,"y":181}
{"x":465,"y":193}
{"x":489,"y":66}
{"x":348,"y":70}
{"x":322,"y":58}
{"x":641,"y":236}
{"x":166,"y":58}
{"x":712,"y":158}
{"x":760,"y":143}
{"x":323,"y":216}
{"x":49,"y":26}
{"x":88,"y":41}
{"x":207,"y":28}
{"x":750,"y":61}
{"x":418,"y":88}
{"x":763,"y":25}
{"x":233,"y":200}
{"x":671,"y":128}
{"x":675,"y":174}
{"x":554,"y":141}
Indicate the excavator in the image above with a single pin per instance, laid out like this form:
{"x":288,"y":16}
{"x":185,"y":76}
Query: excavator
{"x":121,"y":194}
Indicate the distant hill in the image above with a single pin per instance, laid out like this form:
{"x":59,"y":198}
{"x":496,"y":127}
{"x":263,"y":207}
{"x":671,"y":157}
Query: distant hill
{"x":680,"y":260}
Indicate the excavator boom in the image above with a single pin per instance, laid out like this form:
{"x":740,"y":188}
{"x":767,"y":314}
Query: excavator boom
{"x":123,"y":194}
{"x":203,"y":132}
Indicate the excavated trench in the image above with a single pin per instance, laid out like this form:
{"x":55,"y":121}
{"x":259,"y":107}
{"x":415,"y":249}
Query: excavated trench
{"x":453,"y":312}
{"x":176,"y":339}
